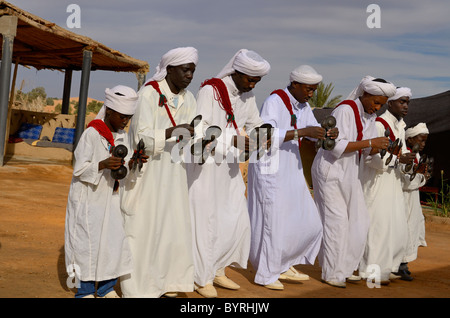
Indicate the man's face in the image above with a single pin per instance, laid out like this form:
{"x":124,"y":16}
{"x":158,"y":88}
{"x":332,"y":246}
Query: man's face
{"x":245,"y":83}
{"x":302,"y":92}
{"x":117,"y":120}
{"x":179,"y":77}
{"x":420,"y":139}
{"x":399,"y":107}
{"x":372,"y":103}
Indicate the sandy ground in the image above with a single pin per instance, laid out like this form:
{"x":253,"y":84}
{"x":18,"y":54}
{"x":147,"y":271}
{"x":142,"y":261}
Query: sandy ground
{"x":32,"y":211}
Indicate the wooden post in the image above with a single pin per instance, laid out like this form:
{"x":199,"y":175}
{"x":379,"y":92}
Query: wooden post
{"x":84,"y":87}
{"x":141,"y":79}
{"x":8,"y":27}
{"x":66,"y":93}
{"x":12,"y":97}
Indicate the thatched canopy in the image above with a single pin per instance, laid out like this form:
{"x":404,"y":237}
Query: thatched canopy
{"x":29,"y":40}
{"x":45,"y":45}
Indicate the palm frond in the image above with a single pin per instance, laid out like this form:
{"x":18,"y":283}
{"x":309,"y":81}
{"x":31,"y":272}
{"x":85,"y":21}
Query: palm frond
{"x":321,"y":97}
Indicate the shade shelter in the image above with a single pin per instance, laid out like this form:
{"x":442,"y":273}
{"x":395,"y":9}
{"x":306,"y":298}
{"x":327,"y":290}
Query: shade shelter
{"x":29,"y":40}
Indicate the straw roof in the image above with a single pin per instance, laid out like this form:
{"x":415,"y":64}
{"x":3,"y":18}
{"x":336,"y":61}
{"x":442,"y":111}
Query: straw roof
{"x":45,"y":45}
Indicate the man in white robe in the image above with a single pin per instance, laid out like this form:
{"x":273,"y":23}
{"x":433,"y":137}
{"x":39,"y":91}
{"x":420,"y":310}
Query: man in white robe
{"x":414,"y":214}
{"x":337,"y":187}
{"x":221,"y":226}
{"x":285,"y":223}
{"x":156,"y":205}
{"x":382,"y":187}
{"x":96,"y":247}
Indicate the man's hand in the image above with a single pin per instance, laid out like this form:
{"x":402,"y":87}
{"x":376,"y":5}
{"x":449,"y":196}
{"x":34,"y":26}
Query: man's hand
{"x":333,"y":133}
{"x":111,"y":163}
{"x":143,"y":160}
{"x":380,"y":142}
{"x":407,"y":158}
{"x":244,"y":143}
{"x":313,"y":132}
{"x":182,"y":130}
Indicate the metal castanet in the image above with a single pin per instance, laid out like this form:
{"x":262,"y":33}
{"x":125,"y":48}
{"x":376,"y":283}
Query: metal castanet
{"x":387,"y":133}
{"x":211,"y":135}
{"x":328,"y":143}
{"x":138,"y":155}
{"x":393,"y":148}
{"x":397,"y":152}
{"x":263,"y":135}
{"x":197,"y":119}
{"x":119,"y":151}
{"x":421,"y":167}
{"x":194,"y":123}
{"x":415,"y":149}
{"x":260,"y":134}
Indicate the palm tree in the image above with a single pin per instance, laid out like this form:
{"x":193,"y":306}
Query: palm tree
{"x":321,"y":96}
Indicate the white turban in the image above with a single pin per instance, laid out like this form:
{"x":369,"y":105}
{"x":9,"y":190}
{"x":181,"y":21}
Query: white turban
{"x":401,"y":91}
{"x":247,"y":62}
{"x":416,"y":130}
{"x":305,"y":74}
{"x":125,"y":103}
{"x":174,"y":57}
{"x":372,"y":87}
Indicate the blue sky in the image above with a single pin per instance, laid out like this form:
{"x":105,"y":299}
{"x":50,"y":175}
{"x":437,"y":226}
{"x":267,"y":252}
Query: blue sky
{"x":411,"y":48}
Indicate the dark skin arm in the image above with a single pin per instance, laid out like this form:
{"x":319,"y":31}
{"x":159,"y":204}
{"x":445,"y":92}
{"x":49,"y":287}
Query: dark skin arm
{"x":143,"y":158}
{"x":114,"y":163}
{"x":111,"y":163}
{"x":313,"y":132}
{"x":240,"y":141}
{"x":376,"y":143}
{"x":170,"y":130}
{"x":407,"y":158}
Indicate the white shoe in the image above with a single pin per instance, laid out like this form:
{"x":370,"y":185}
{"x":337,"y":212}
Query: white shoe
{"x":354,"y":278}
{"x":225,"y":282}
{"x":111,"y":294}
{"x":294,"y":275}
{"x":89,"y":296}
{"x":171,"y":294}
{"x":335,"y":283}
{"x":207,"y":291}
{"x":276,"y":285}
{"x":393,"y":276}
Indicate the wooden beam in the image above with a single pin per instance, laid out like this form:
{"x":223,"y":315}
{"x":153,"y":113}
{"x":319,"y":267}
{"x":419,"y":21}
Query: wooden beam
{"x":8,"y":26}
{"x":84,"y":88}
{"x":32,"y":50}
{"x":66,"y":92}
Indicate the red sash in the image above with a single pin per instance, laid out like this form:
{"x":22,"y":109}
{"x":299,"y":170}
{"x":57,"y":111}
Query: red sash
{"x":359,"y":126}
{"x":221,"y":95}
{"x":287,"y":102}
{"x":162,"y":99}
{"x":386,"y":125}
{"x":103,"y":130}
